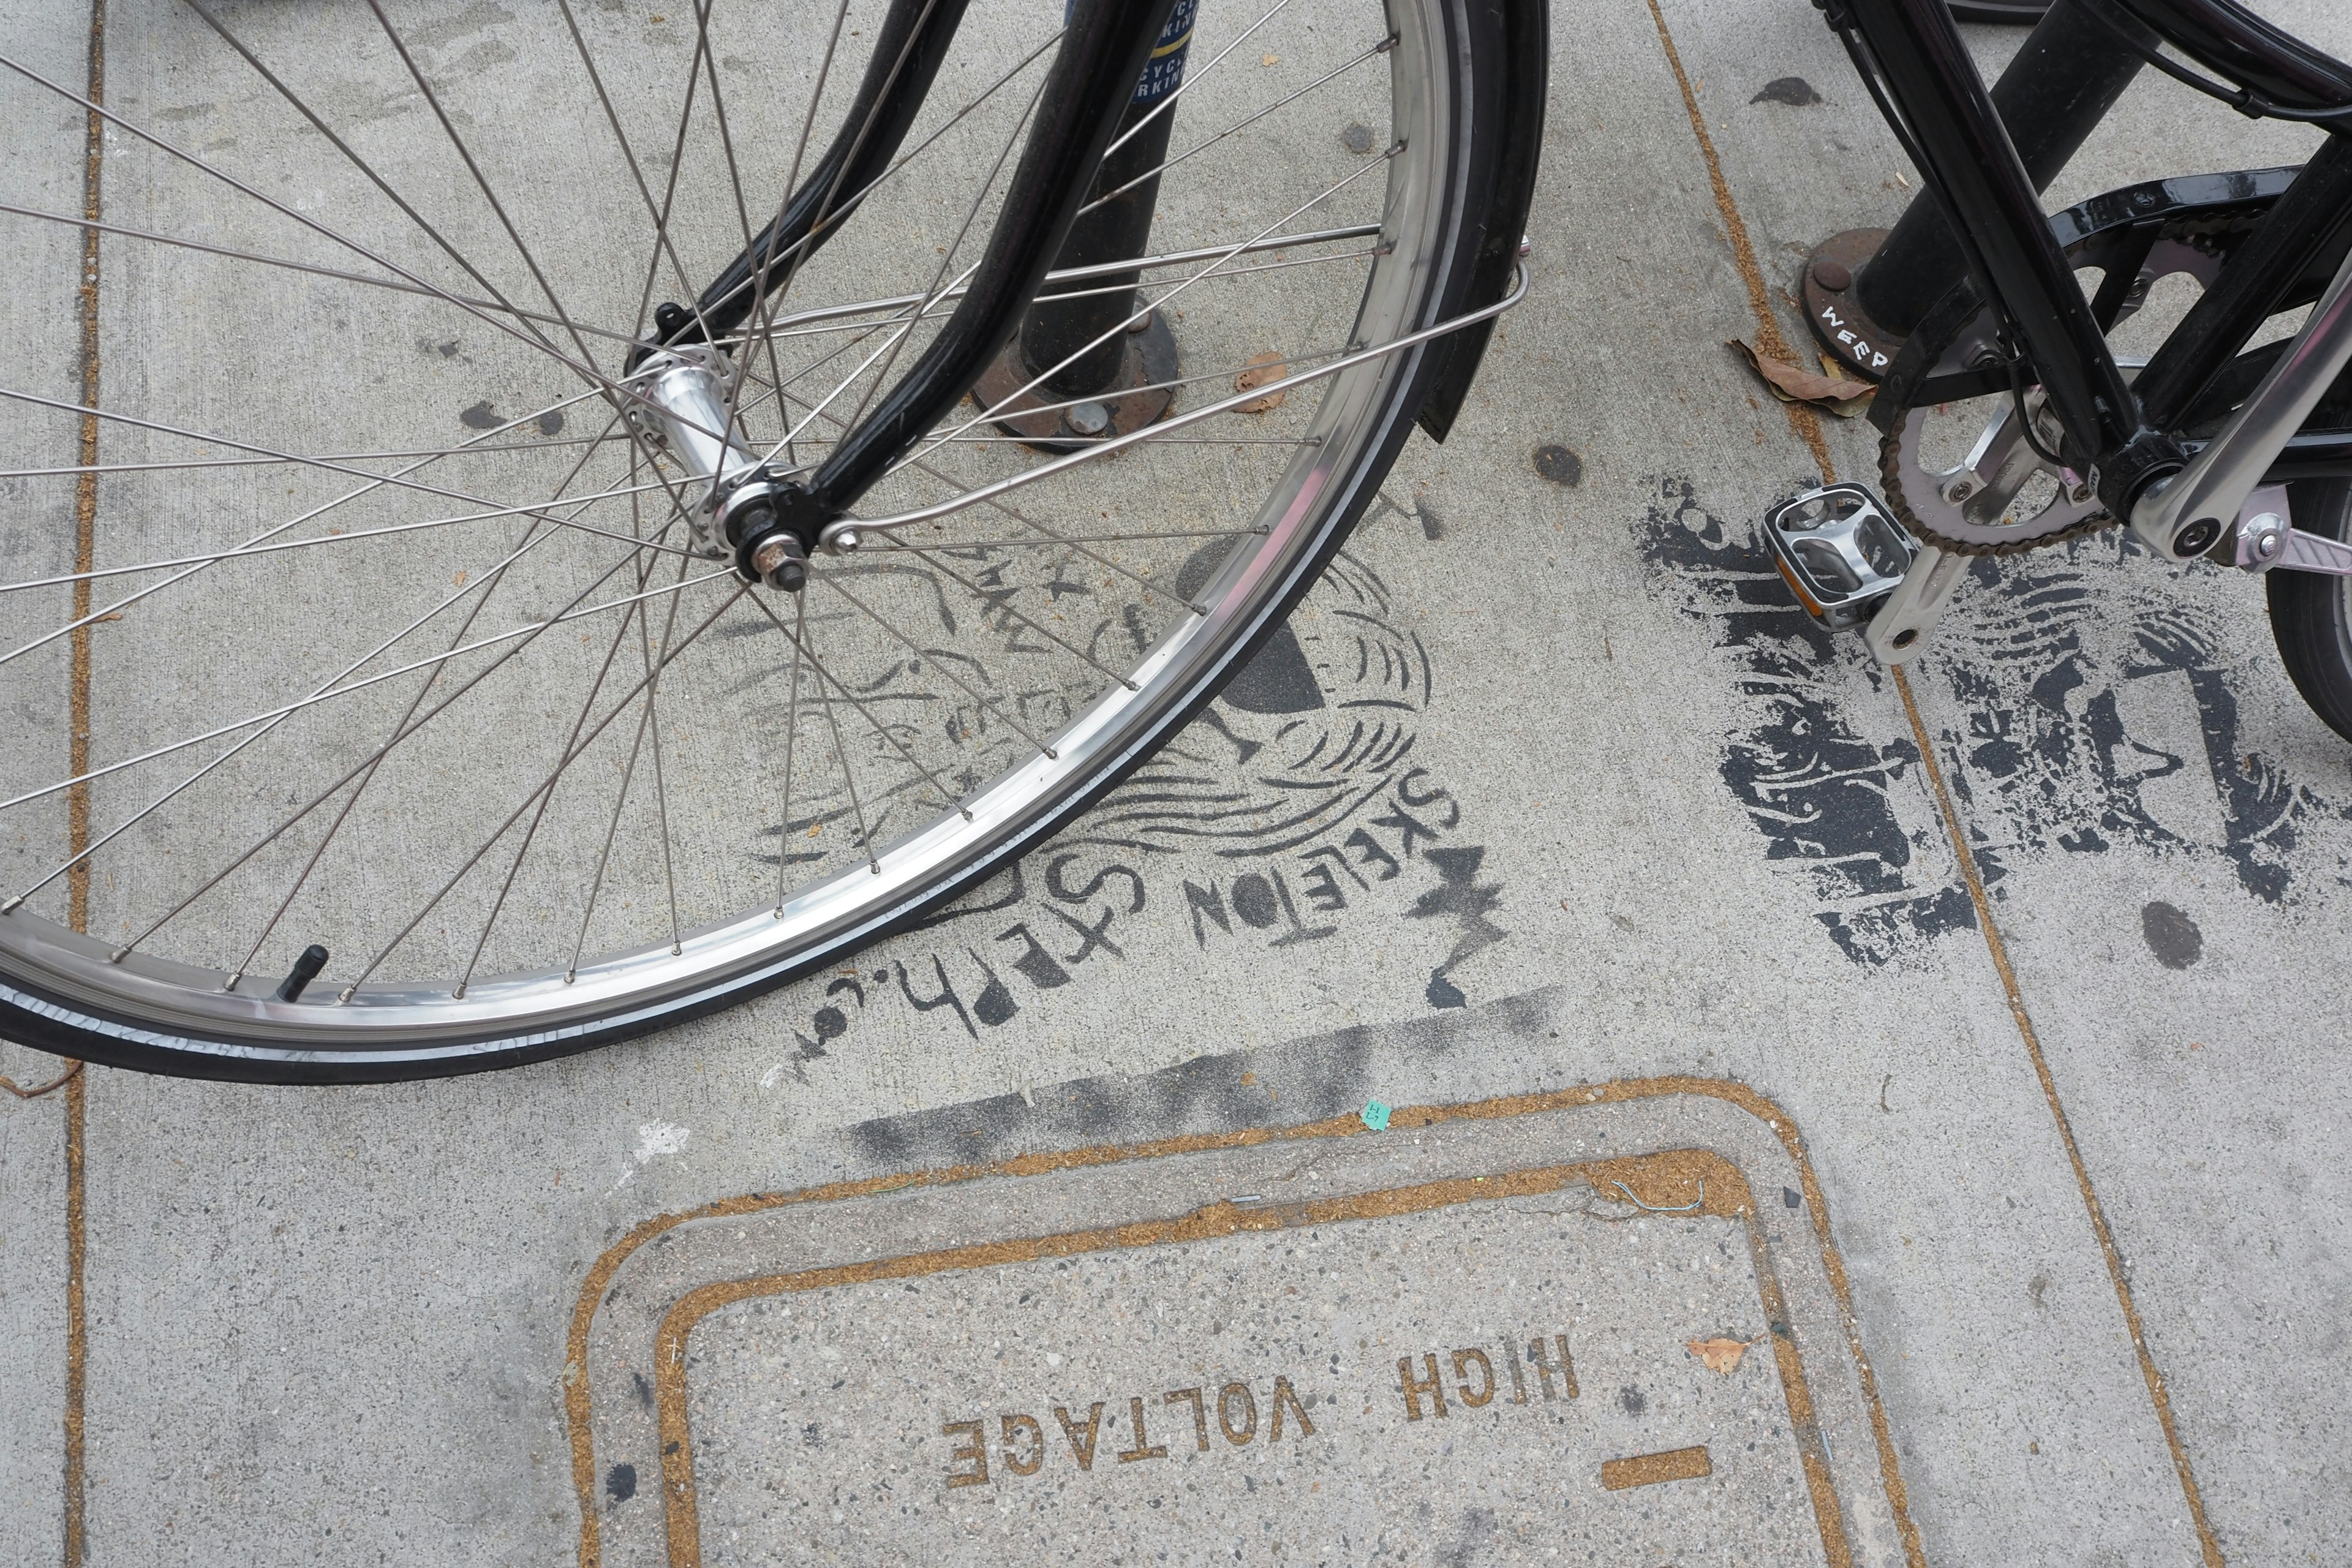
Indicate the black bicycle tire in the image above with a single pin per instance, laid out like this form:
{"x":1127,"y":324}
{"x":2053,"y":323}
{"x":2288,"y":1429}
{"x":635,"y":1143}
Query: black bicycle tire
{"x":1477,"y":33}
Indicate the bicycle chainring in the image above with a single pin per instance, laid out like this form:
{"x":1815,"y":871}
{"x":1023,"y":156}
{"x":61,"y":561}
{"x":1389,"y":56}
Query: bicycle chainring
{"x":2004,"y":498}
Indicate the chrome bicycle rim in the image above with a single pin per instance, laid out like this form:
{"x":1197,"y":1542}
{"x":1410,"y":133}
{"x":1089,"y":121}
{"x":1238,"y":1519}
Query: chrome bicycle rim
{"x":669,"y":788}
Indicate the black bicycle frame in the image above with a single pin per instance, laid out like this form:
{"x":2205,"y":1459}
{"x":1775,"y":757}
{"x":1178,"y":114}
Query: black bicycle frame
{"x":2051,"y":334}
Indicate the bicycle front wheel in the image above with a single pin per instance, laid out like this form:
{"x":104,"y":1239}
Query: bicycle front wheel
{"x":380,"y":711}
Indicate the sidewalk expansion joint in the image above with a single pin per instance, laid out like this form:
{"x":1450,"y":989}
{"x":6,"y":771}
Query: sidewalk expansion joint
{"x":1807,"y":427}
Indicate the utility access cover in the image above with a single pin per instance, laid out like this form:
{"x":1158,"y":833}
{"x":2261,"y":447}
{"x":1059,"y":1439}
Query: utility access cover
{"x":1556,"y":1336}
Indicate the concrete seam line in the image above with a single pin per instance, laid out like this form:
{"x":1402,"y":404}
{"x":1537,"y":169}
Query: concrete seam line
{"x":1802,"y":418}
{"x":74,"y":1526}
{"x":2148,"y":1371}
{"x":1808,"y":427}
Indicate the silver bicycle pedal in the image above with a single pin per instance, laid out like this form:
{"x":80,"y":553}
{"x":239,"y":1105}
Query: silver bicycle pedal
{"x":1841,"y":550}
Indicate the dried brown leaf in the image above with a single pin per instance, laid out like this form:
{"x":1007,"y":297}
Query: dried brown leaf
{"x":1265,"y":368}
{"x":1793,"y":384}
{"x":1722,"y":1355}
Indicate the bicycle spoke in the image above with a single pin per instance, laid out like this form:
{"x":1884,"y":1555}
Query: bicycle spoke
{"x":920,"y":652}
{"x":946,"y":794}
{"x":1192,"y":78}
{"x":605,"y":852}
{"x":989,"y":493}
{"x":571,"y":525}
{"x":547,"y":796}
{"x":840,"y":753}
{"x":365,"y":169}
{"x":488,"y":318}
{"x":669,"y":656}
{"x":528,"y":630}
{"x":628,"y":777}
{"x":267,"y":534}
{"x":790,"y":326}
{"x":661,"y":785}
{"x":947,"y":259}
{"x":762,"y":302}
{"x":397,"y":285}
{"x":1383,"y":47}
{"x":1039,"y":379}
{"x":1000,"y":600}
{"x":708,"y":63}
{"x":482,"y":180}
{"x":488,"y":584}
{"x":178,"y":465}
{"x":480,"y":591}
{"x":1060,"y":541}
{"x":791,"y":737}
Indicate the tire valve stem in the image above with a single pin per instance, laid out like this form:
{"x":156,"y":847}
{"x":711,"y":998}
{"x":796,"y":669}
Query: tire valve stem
{"x":306,"y":968}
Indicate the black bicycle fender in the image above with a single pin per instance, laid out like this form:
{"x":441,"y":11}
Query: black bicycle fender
{"x":1510,"y":124}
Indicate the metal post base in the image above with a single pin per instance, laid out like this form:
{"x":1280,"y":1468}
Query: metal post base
{"x":1833,"y":308}
{"x":1137,"y":396}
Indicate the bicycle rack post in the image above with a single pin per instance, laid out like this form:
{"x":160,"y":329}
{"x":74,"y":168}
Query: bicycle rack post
{"x":1101,"y":379}
{"x":1874,"y":286}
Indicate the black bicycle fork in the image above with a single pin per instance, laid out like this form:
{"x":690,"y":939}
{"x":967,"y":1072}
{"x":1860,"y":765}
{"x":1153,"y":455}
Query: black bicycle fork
{"x":1105,"y":49}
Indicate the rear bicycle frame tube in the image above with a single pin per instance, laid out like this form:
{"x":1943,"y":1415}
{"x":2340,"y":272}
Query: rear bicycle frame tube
{"x":1974,"y":169}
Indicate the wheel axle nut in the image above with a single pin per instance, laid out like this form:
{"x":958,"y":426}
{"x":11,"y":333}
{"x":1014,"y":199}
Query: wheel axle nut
{"x":781,"y":565}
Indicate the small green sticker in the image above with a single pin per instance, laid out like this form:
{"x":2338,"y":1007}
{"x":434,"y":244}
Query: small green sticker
{"x":1376,"y":1116}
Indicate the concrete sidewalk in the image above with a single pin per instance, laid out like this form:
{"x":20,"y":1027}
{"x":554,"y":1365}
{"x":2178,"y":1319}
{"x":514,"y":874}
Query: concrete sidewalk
{"x":1996,"y":998}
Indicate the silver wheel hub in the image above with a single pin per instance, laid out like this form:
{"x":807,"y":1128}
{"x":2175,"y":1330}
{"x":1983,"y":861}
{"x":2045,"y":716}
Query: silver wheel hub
{"x":688,"y":412}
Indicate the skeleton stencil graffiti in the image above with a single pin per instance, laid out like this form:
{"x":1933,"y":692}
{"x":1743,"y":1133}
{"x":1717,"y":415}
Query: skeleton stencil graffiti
{"x":1300,"y":801}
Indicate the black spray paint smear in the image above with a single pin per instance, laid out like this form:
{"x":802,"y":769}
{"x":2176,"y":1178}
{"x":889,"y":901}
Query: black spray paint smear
{"x":1301,"y":1081}
{"x":2077,"y":679}
{"x":2056,"y":662}
{"x":2171,"y":935}
{"x":1814,"y":786}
